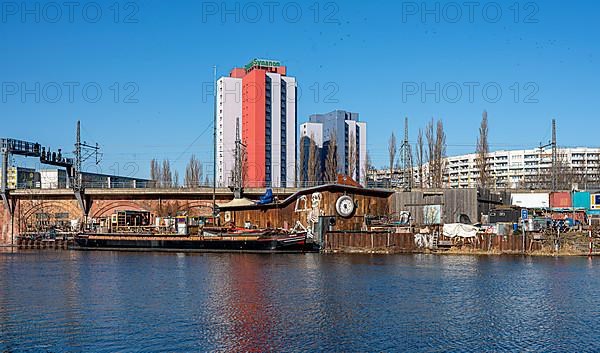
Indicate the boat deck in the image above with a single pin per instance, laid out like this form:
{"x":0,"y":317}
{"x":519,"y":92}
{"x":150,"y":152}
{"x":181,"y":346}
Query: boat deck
{"x":169,"y":237}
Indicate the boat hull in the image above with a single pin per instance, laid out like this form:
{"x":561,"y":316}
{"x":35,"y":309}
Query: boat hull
{"x":207,"y":244}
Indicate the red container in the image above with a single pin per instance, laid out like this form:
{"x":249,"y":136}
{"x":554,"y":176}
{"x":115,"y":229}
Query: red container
{"x":560,"y":200}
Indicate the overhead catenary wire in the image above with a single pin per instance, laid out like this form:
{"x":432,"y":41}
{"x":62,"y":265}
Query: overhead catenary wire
{"x":195,"y":140}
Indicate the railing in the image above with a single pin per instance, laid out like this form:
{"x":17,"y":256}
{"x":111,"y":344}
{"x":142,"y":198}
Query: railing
{"x":92,"y":185}
{"x":149,"y":184}
{"x":141,"y":184}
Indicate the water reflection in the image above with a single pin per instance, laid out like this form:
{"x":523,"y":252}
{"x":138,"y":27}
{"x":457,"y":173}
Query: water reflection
{"x":153,"y":302}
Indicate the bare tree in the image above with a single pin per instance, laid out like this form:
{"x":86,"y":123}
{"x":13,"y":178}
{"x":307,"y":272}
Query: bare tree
{"x":420,"y":156}
{"x":176,"y":179}
{"x":566,"y":175}
{"x":302,"y":167}
{"x":155,"y":172}
{"x":440,"y":155}
{"x":430,"y":153}
{"x":167,"y":177}
{"x":331,"y":167}
{"x":436,"y":152}
{"x":392,"y":148}
{"x":483,"y":151}
{"x":352,"y":157}
{"x":409,"y":172}
{"x":367,"y":166}
{"x":536,"y":180}
{"x":193,"y":173}
{"x":314,"y":162}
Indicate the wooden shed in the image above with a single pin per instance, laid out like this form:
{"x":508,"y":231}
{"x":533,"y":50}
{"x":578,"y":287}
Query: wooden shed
{"x":310,"y":203}
{"x":456,"y":205}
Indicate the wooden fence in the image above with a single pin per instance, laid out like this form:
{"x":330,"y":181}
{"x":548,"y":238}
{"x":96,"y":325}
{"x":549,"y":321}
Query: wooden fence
{"x":366,"y":241}
{"x":388,"y":242}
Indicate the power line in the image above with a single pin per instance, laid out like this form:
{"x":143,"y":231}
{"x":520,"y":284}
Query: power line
{"x":195,"y":140}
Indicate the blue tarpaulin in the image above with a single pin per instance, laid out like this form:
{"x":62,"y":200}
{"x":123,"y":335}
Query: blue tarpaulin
{"x":266,"y":198}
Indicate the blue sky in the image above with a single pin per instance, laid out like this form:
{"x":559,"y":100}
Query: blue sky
{"x":363,"y":57}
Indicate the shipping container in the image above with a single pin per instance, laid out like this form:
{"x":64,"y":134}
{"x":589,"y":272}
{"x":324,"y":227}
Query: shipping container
{"x":582,"y":200}
{"x":561,"y":200}
{"x":530,"y":200}
{"x":509,"y":215}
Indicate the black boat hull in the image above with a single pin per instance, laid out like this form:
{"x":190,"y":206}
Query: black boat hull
{"x":291,"y":244}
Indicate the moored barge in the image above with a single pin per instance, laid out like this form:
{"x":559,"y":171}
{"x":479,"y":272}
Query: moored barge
{"x":140,"y":230}
{"x":232,"y":240}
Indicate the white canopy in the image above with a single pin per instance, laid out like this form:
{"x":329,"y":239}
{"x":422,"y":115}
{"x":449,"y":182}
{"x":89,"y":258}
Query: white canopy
{"x":237,"y":203}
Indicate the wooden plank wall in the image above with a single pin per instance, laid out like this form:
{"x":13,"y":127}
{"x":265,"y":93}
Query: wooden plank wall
{"x":454,"y":203}
{"x":509,"y":243}
{"x":457,"y":202}
{"x":368,"y":241}
{"x":404,"y":242}
{"x":286,"y":217}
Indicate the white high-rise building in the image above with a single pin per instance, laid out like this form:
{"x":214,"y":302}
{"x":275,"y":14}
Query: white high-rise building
{"x":263,"y":99}
{"x":229,"y":110}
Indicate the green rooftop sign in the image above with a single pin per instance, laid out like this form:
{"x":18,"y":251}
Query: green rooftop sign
{"x":263,"y":63}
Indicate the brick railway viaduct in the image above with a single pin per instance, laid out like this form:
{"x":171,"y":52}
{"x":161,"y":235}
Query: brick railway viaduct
{"x":29,"y":204}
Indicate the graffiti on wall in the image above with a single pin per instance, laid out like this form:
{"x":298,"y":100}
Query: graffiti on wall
{"x":311,"y":212}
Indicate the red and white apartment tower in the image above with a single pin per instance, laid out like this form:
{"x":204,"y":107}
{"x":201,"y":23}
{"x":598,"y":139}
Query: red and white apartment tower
{"x":263,"y":98}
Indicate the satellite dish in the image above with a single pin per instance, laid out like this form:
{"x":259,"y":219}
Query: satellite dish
{"x":345,"y":206}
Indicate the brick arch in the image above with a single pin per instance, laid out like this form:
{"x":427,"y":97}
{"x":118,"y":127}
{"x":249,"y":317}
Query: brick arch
{"x":199,"y":205}
{"x":31,"y":209}
{"x":106,"y":208}
{"x":71,"y":208}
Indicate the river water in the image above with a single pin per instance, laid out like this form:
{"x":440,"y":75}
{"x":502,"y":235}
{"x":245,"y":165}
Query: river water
{"x":155,"y":302}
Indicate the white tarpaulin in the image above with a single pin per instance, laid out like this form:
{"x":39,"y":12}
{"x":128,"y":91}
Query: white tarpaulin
{"x":243,"y":202}
{"x":460,"y":230}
